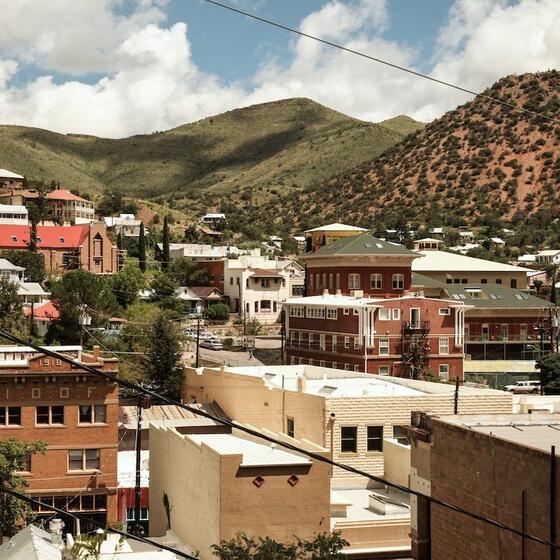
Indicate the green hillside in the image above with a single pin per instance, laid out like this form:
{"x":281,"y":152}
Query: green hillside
{"x":253,"y":154}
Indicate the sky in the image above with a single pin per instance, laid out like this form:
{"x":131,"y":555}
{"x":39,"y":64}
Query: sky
{"x":120,"y":67}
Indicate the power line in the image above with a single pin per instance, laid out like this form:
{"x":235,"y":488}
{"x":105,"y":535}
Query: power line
{"x":270,"y":439}
{"x":381,"y":61}
{"x":82,"y":517}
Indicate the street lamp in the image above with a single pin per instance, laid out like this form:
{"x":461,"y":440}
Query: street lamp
{"x":198,"y":312}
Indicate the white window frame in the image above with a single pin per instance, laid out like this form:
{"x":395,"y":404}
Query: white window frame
{"x":322,"y":342}
{"x":384,"y":314}
{"x":383,"y":370}
{"x":376,"y":281}
{"x":444,"y":373}
{"x":352,"y":284}
{"x":346,"y":311}
{"x":383,"y":346}
{"x":334,"y":342}
{"x":396,"y":314}
{"x":332,"y":313}
{"x":357,"y":343}
{"x":444,"y":311}
{"x":444,"y":345}
{"x":398,"y":281}
{"x":346,"y":342}
{"x":310,"y":340}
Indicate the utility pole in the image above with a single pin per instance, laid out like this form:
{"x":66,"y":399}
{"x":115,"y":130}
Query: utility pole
{"x":456,"y":397}
{"x":141,"y":402}
{"x":282,"y":334}
{"x":197,"y":340}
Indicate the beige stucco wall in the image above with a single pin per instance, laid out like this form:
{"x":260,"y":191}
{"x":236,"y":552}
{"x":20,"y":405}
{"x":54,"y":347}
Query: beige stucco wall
{"x":396,"y":458}
{"x":476,"y":276}
{"x":190,"y":476}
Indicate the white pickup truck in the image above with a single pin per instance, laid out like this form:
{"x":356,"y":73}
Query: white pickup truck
{"x":525,"y":387}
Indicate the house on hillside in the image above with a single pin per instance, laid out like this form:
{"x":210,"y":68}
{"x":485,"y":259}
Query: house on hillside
{"x":15,"y":215}
{"x":9,"y":179}
{"x":212,"y":219}
{"x":324,"y":235}
{"x":125,"y":224}
{"x":31,"y":293}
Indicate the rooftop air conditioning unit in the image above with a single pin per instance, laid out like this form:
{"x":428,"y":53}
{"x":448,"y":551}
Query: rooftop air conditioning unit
{"x":357,"y":293}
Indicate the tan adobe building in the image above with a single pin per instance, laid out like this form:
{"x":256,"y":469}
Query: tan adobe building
{"x":324,"y":235}
{"x":9,"y":179}
{"x":348,"y":413}
{"x":496,"y":465}
{"x":76,"y":414}
{"x":219,"y":485}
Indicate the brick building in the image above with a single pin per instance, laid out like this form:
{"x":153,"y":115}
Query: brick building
{"x":64,"y":248}
{"x":501,"y":323}
{"x":76,"y":414}
{"x":496,"y":465}
{"x":9,"y":179}
{"x":361,"y":314}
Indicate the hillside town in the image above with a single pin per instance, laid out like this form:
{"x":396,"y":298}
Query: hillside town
{"x":279,"y":281}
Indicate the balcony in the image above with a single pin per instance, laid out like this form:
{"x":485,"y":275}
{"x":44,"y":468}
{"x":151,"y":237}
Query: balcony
{"x":416,"y":327}
{"x":488,"y":338}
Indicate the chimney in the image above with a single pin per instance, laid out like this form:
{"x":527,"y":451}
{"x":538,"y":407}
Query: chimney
{"x":325,"y":292}
{"x":96,"y":352}
{"x":338,"y":292}
{"x":301,"y":383}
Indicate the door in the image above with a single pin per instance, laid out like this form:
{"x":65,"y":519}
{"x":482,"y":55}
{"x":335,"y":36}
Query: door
{"x":485,"y":332}
{"x":415,"y":317}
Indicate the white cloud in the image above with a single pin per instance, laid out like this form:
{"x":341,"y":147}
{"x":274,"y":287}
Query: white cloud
{"x":151,"y":82}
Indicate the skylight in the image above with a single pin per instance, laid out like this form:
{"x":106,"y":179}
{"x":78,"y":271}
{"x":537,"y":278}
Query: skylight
{"x":379,"y":245}
{"x":62,"y":240}
{"x":327,"y":390}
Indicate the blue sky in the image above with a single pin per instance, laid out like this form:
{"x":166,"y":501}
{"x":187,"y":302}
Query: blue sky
{"x":121,"y":67}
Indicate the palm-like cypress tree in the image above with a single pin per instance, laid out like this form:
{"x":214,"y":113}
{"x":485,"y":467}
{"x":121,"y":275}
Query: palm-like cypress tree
{"x":142,"y":248}
{"x":165,"y":252}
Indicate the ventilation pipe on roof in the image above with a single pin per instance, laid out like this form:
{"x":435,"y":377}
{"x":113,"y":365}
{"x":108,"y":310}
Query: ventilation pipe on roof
{"x":325,"y":292}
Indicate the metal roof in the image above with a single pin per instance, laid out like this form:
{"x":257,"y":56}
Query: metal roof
{"x":336,"y":227}
{"x":30,"y":543}
{"x":365,"y":244}
{"x":443,"y":261}
{"x":492,"y":296}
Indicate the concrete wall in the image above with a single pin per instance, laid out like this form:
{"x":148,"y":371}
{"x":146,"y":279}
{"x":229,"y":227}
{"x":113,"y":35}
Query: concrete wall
{"x":190,"y":476}
{"x":396,"y":462}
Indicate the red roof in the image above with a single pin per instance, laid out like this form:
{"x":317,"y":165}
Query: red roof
{"x":46,"y":312}
{"x":65,"y":194}
{"x":17,"y":237}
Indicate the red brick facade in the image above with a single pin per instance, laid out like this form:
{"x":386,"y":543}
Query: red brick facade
{"x":215,"y":269}
{"x":42,"y":398}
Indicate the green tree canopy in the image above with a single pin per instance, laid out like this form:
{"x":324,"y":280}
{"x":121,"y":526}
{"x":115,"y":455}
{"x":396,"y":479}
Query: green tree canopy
{"x":11,"y":317}
{"x":126,"y":285}
{"x":163,"y":363}
{"x":79,"y":291}
{"x":13,"y":457}
{"x":34,"y":263}
{"x":185,"y":272}
{"x":549,"y":367}
{"x":165,"y":256}
{"x":217,"y":312}
{"x":163,"y":286}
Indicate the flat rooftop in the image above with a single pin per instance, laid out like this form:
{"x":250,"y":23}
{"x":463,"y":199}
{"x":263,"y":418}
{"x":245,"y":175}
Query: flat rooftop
{"x":536,"y":431}
{"x":254,"y":454}
{"x":333,"y":383}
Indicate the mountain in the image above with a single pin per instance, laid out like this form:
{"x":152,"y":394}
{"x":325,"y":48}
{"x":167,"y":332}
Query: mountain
{"x":258,"y":152}
{"x":478,"y":162}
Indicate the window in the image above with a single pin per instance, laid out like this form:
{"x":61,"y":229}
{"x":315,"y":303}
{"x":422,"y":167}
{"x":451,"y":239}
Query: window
{"x":498,"y":280}
{"x":322,"y":342}
{"x":444,"y":371}
{"x":92,"y":414}
{"x":355,"y":312}
{"x":25,"y":463}
{"x":290,"y":427}
{"x":47,"y":415}
{"x":401,"y":435}
{"x":396,"y":314}
{"x":484,"y":280}
{"x":348,"y":439}
{"x":357,"y":343}
{"x":346,"y":342}
{"x":346,"y":311}
{"x":256,"y":306}
{"x":322,"y":363}
{"x":375,"y":281}
{"x":383,"y":346}
{"x":356,"y":367}
{"x":505,"y":331}
{"x":83,"y":459}
{"x":297,"y":311}
{"x":353,"y":281}
{"x":310,"y":340}
{"x":10,"y":416}
{"x":300,"y":339}
{"x":444,"y":345}
{"x":333,"y":343}
{"x":383,"y":370}
{"x":384,"y":314}
{"x":231,"y":280}
{"x":398,"y":281}
{"x":375,"y":438}
{"x":332,"y":313}
{"x":444,"y":311}
{"x":337,"y":281}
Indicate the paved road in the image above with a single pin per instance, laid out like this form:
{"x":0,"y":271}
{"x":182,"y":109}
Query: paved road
{"x":267,"y":352}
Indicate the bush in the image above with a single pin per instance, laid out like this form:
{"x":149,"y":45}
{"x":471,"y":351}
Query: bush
{"x":217,"y":312}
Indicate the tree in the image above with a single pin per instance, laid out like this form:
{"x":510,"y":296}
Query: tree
{"x":126,"y":285}
{"x":253,"y":327}
{"x":78,"y":291}
{"x":186,"y":272}
{"x":163,"y":363}
{"x":11,"y":317}
{"x":217,"y":312}
{"x":191,"y":234}
{"x":325,"y":546}
{"x":549,"y":367}
{"x":34,"y":263}
{"x":163,"y":286}
{"x":14,"y":455}
{"x":142,"y":248}
{"x":165,"y":242}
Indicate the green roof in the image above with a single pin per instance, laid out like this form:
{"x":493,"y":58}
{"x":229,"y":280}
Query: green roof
{"x":494,"y":295}
{"x":421,"y":281}
{"x":365,"y":244}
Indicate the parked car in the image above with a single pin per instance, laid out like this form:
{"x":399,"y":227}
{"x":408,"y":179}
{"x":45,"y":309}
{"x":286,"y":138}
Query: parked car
{"x":212,"y":344}
{"x":524,"y":387}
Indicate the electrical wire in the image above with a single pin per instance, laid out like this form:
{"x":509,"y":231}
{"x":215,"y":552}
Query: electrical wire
{"x":273,"y":440}
{"x":85,"y":518}
{"x":381,"y":61}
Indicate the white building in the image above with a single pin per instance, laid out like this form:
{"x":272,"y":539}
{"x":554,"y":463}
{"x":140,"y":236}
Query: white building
{"x":30,"y":292}
{"x":548,"y":256}
{"x":212,"y":219}
{"x":258,"y":286}
{"x":125,"y":224}
{"x":201,"y":252}
{"x":15,"y":215}
{"x":10,"y":179}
